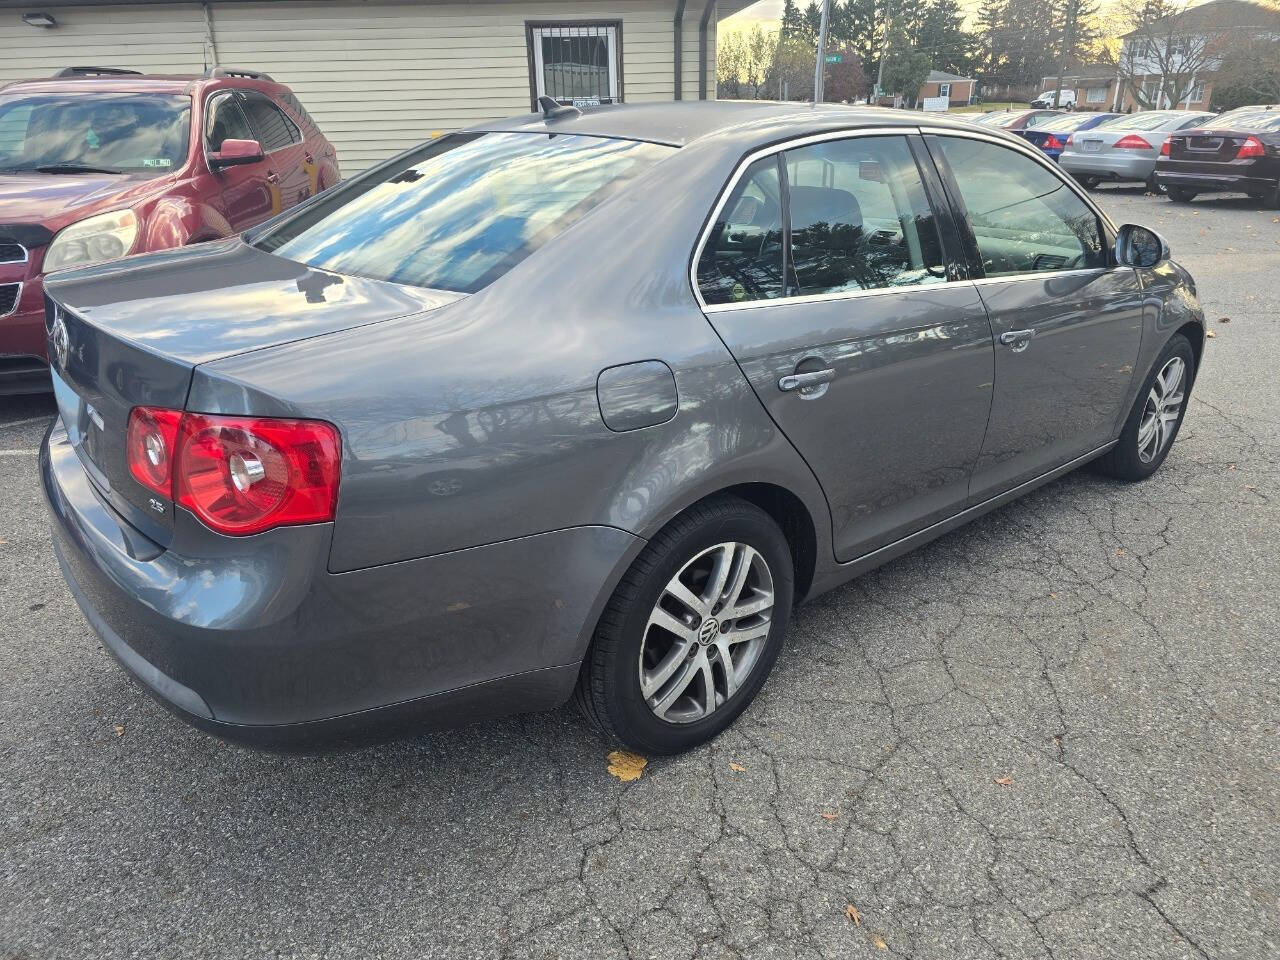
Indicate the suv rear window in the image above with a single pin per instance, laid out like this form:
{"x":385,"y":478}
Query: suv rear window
{"x":115,"y":132}
{"x":459,"y":212}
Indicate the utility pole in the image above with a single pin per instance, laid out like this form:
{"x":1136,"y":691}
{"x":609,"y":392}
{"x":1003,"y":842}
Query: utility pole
{"x":1067,"y":29}
{"x":820,"y":68}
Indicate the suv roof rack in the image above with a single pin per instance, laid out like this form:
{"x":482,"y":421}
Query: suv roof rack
{"x":238,"y":72}
{"x":97,"y":72}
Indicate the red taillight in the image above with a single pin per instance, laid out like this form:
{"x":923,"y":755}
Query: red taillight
{"x":1251,"y":148}
{"x":1164,"y":147}
{"x":1071,"y":141}
{"x":150,"y":442}
{"x":1053,"y":143}
{"x":1131,"y":142}
{"x":238,"y":475}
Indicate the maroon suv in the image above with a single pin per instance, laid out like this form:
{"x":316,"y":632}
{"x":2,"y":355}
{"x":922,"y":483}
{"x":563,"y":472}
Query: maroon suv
{"x":98,"y":163}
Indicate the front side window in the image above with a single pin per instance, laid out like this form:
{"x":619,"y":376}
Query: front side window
{"x":1024,"y":218}
{"x":460,"y":211}
{"x":224,"y":120}
{"x":1096,"y":95}
{"x":860,"y":219}
{"x":742,"y":258}
{"x":112,"y":132}
{"x":275,"y":129}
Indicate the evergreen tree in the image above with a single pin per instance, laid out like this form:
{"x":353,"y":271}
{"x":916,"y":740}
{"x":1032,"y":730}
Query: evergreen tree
{"x":792,"y":19}
{"x":942,"y":36}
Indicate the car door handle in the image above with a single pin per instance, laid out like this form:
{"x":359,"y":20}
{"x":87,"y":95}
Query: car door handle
{"x":272,"y":177}
{"x":1018,"y":339}
{"x":805,"y":381}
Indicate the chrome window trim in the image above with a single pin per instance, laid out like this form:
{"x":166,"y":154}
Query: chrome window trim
{"x":26,"y":254}
{"x":17,"y":299}
{"x":1018,"y":145}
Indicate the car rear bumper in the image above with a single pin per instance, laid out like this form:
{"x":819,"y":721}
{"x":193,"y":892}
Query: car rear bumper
{"x":1215,"y":182}
{"x":257,"y":642}
{"x":1107,"y":166}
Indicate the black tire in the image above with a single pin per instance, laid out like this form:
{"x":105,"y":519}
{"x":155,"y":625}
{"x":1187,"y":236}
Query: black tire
{"x":608,"y":691}
{"x":1089,"y":183}
{"x":1180,"y":194}
{"x":1123,"y":461}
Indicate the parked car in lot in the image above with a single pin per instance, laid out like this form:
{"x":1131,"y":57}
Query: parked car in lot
{"x":1015,"y":120}
{"x":1236,"y":152}
{"x":98,"y":163}
{"x":1051,"y":134}
{"x":1066,"y":97}
{"x":1124,"y":148}
{"x":418,"y":453}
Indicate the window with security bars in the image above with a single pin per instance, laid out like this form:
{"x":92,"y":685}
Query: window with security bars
{"x":576,"y":63}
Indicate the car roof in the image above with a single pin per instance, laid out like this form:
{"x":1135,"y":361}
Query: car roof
{"x":682,"y":122}
{"x":142,"y":83}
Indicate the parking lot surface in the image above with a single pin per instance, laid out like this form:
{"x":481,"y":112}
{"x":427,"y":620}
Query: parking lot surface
{"x":1052,"y":733}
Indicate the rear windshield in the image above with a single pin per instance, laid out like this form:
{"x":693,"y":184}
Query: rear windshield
{"x":113,"y":132}
{"x":1155,"y":120}
{"x":1066,"y":122}
{"x":461,"y":211}
{"x":1246,"y":121}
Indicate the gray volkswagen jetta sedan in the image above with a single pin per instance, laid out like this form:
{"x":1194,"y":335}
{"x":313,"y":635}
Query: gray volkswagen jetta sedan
{"x":580,"y":404}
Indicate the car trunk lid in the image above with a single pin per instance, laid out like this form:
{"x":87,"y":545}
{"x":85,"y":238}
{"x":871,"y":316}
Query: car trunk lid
{"x":1206,"y":145}
{"x":131,"y":333}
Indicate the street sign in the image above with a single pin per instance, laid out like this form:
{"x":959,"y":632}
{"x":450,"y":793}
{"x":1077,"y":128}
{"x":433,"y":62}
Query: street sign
{"x":834,"y":58}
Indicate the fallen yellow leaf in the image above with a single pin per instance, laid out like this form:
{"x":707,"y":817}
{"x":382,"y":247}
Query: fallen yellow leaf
{"x":854,"y":916}
{"x":1004,"y":781}
{"x":626,"y":766}
{"x":119,"y":729}
{"x":879,"y":942}
{"x":1210,"y":334}
{"x":737,"y":768}
{"x":831,"y":816}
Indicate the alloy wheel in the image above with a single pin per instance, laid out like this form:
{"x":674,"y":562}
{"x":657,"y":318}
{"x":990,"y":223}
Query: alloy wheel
{"x":1162,"y":409}
{"x":706,"y":632}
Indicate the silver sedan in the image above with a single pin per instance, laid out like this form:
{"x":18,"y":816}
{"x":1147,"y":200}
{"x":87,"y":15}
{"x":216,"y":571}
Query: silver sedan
{"x":1125,"y":148}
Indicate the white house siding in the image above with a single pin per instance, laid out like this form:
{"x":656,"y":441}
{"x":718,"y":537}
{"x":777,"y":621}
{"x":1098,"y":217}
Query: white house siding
{"x":377,"y":76}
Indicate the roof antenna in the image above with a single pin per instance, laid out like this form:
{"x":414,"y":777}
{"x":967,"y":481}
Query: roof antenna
{"x":819,"y":68}
{"x":552,"y":110}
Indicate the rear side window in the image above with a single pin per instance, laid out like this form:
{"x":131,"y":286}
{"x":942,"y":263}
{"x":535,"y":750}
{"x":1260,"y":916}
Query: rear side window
{"x":742,"y":259}
{"x":459,"y":212}
{"x":860,"y":219}
{"x":1025,"y":219}
{"x":275,"y":129}
{"x":294,"y":104}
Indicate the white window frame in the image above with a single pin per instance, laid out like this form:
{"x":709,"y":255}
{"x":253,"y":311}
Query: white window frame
{"x":944,"y":90}
{"x":1101,"y":95}
{"x":1196,"y":92}
{"x":609,"y":31}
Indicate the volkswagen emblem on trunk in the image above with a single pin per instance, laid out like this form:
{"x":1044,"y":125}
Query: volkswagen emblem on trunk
{"x":61,"y":340}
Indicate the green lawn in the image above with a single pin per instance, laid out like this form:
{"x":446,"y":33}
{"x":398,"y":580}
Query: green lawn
{"x":991,"y":105}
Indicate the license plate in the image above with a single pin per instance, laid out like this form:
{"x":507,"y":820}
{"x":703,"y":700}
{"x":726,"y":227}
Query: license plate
{"x":1092,"y":146}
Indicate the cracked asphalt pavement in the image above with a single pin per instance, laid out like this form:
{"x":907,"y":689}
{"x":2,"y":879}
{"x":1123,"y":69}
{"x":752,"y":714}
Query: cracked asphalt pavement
{"x":1052,"y":733}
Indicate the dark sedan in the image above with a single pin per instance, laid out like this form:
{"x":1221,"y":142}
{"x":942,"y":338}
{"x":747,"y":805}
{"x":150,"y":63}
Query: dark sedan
{"x":579,"y":404}
{"x":1238,"y":152}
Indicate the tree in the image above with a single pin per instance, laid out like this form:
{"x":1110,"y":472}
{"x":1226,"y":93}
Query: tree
{"x":790,"y":74}
{"x":845,"y":82}
{"x":792,"y":19}
{"x":1250,"y":68}
{"x":731,"y":56}
{"x":905,"y":67}
{"x":761,"y":47}
{"x":942,"y":36}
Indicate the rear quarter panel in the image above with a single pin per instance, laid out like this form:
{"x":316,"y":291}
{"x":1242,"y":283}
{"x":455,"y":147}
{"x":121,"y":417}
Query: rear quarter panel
{"x":479,"y":422}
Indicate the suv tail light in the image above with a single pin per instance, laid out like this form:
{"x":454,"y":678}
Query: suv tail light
{"x":1251,"y":148}
{"x":238,"y":475}
{"x":1131,"y":142}
{"x":1164,"y":147}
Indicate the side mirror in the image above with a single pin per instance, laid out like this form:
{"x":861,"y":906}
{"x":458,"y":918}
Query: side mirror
{"x":235,"y":153}
{"x":1140,"y":247}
